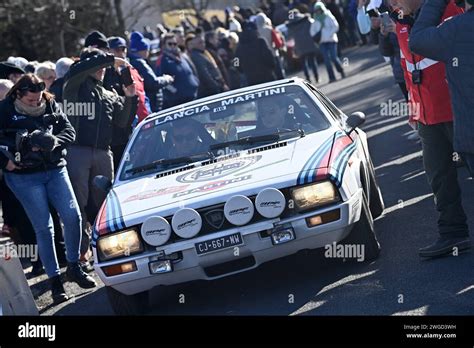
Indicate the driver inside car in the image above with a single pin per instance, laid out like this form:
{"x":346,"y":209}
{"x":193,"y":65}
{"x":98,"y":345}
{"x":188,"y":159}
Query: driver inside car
{"x":276,"y":114}
{"x":188,"y":138}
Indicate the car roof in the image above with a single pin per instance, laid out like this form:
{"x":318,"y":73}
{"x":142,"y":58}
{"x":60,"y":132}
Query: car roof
{"x":294,"y":80}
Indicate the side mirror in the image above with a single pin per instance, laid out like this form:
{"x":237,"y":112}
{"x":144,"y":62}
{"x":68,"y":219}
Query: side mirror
{"x":355,"y":120}
{"x":103,"y":183}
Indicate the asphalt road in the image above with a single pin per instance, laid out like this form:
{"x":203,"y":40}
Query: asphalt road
{"x":397,"y":283}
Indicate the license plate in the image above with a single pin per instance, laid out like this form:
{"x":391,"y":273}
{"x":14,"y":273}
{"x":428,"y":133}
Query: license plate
{"x":218,"y":243}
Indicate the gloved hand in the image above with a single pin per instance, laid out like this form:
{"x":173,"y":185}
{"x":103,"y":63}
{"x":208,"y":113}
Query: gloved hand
{"x":168,"y":79}
{"x":44,"y":141}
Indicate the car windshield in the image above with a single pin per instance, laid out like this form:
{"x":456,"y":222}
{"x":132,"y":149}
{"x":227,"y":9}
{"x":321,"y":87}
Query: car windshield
{"x":221,"y":127}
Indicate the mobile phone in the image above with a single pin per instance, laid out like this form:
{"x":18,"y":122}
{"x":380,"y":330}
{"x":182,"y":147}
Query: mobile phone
{"x":386,"y":20}
{"x":126,"y":77}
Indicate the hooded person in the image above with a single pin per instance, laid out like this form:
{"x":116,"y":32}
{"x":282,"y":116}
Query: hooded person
{"x":257,"y":62}
{"x":325,"y":25}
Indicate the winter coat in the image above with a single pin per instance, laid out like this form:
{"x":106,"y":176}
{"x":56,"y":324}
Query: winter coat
{"x":452,"y":43}
{"x":81,"y":89}
{"x":186,"y":82}
{"x":299,"y":30}
{"x":58,"y":126}
{"x":255,"y":58}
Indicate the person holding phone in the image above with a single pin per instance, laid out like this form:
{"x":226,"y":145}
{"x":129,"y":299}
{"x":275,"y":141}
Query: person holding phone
{"x":91,"y":154}
{"x":115,"y":80}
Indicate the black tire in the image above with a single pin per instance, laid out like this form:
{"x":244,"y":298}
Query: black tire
{"x":363,"y":233}
{"x":377,"y":205}
{"x":127,"y":304}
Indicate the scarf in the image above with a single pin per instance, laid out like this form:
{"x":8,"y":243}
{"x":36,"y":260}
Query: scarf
{"x":176,"y":56}
{"x":24,"y":109}
{"x":320,"y":17}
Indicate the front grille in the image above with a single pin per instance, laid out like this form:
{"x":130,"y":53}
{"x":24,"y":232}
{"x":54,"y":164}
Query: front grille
{"x":229,"y":267}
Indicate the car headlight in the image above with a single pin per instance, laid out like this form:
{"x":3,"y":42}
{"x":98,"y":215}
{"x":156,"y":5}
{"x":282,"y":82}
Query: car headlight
{"x":119,"y":244}
{"x":315,"y":195}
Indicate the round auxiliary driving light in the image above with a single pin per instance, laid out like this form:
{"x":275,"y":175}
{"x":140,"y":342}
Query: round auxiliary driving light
{"x":156,"y":231}
{"x":270,"y":203}
{"x":186,"y":223}
{"x":239,"y":210}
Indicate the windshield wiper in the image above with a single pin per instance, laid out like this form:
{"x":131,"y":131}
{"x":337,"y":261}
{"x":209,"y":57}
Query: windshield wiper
{"x":258,"y":139}
{"x":170,"y":162}
{"x":298,"y":131}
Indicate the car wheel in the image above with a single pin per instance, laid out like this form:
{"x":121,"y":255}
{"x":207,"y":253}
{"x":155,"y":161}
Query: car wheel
{"x":363,"y":233}
{"x":377,"y":205}
{"x":127,"y":304}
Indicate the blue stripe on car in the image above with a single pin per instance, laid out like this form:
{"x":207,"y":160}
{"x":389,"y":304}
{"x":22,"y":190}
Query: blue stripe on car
{"x":337,"y":172}
{"x":305,"y":175}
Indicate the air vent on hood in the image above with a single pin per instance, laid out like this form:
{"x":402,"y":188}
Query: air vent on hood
{"x":174,"y":171}
{"x":220,"y":159}
{"x":268,"y":147}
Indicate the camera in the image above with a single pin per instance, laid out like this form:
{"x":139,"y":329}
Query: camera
{"x":416,"y":77}
{"x":17,"y":144}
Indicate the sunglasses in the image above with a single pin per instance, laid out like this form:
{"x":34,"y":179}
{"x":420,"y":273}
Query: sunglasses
{"x":34,"y":88}
{"x":172,"y":44}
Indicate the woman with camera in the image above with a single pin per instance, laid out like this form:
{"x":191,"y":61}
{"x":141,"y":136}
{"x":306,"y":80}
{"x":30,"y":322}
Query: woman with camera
{"x":36,"y":132}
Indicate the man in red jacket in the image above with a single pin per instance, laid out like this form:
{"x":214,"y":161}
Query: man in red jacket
{"x":428,"y":90}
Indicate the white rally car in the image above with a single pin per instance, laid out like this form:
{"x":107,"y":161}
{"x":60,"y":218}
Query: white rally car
{"x":221,"y":185}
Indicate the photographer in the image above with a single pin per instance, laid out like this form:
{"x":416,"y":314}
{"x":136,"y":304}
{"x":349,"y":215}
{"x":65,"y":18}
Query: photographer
{"x":34,"y":135}
{"x":98,"y":111}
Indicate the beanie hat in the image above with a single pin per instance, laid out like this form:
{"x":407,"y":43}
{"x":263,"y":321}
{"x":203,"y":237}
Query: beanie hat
{"x":138,"y":42}
{"x":96,"y":38}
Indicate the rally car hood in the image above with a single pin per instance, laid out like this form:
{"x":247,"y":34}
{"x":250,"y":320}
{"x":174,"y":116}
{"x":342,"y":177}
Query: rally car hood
{"x":292,"y":162}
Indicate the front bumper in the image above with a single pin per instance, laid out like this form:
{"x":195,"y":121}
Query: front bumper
{"x":193,"y":266}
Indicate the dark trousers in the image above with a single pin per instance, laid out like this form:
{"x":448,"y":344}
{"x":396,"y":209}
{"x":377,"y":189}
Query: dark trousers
{"x":442,"y":175}
{"x":83,"y":164}
{"x":310,"y":62}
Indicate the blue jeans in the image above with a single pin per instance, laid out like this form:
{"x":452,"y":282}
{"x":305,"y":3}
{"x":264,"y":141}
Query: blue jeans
{"x":34,"y":191}
{"x":310,"y":61}
{"x":329,"y":51}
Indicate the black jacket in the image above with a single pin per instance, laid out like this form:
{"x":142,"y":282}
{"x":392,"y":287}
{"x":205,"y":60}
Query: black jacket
{"x":81,"y":91}
{"x":58,"y":126}
{"x":211,"y":80}
{"x":57,"y":89}
{"x":120,"y":135}
{"x":256,"y":59}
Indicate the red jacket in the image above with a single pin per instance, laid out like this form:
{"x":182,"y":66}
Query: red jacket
{"x":432,"y":95}
{"x":142,"y":109}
